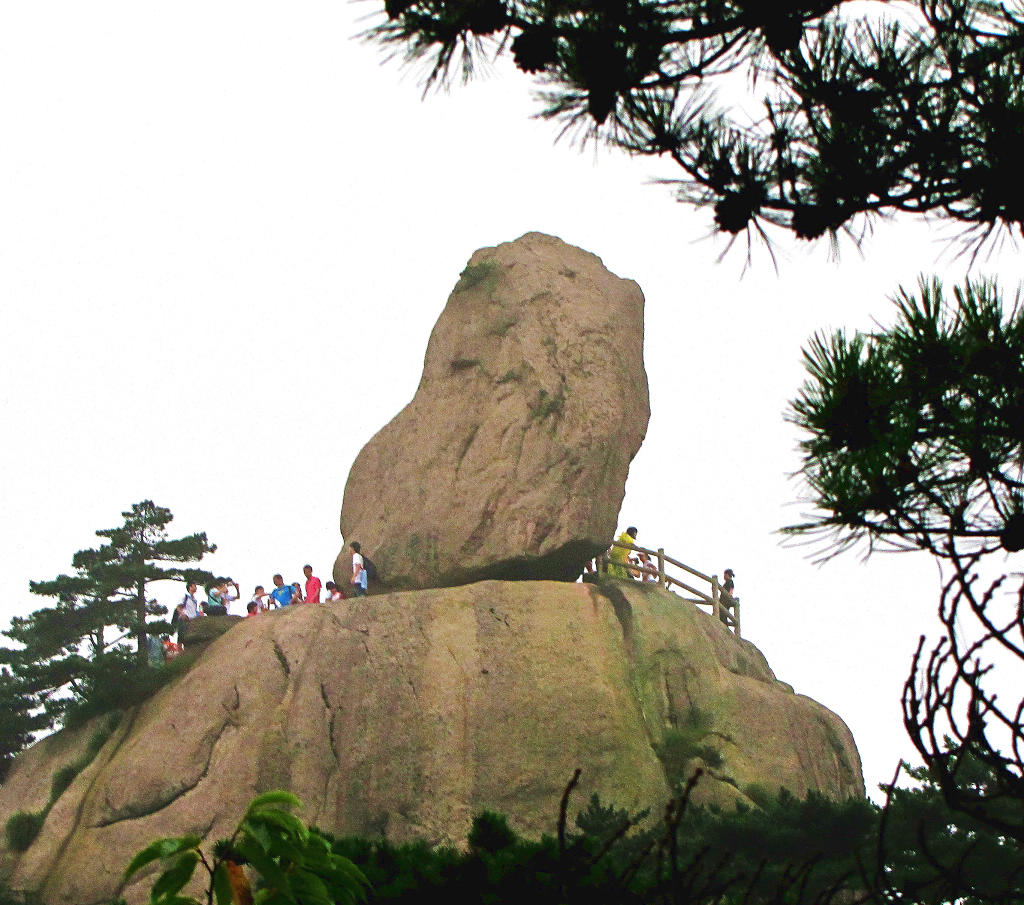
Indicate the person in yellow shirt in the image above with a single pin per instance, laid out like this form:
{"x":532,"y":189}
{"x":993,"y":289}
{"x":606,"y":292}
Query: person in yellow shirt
{"x":619,"y":556}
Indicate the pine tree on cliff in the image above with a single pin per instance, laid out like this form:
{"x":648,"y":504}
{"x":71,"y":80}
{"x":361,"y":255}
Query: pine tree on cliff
{"x":136,"y":554}
{"x":21,"y":719}
{"x":66,"y":649}
{"x":74,"y":651}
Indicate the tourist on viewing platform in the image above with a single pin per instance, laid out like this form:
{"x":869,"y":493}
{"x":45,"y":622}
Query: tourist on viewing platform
{"x":282,"y":593}
{"x":171,"y":650}
{"x":187,"y":610}
{"x":728,"y":598}
{"x":215,"y":605}
{"x":729,"y":582}
{"x":229,"y":593}
{"x":333,"y":592}
{"x":358,"y":571}
{"x":312,"y":584}
{"x":643,"y":573}
{"x":619,"y":556}
{"x":261,"y":598}
{"x":252,"y":608}
{"x":189,"y":606}
{"x":297,"y":593}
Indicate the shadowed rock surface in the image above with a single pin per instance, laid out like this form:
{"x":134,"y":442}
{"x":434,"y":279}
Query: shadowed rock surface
{"x":199,"y":633}
{"x":406,"y":714}
{"x":511,"y":460}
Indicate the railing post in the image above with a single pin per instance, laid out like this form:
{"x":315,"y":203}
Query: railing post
{"x":661,"y":567}
{"x":716,"y":600}
{"x":736,"y":612}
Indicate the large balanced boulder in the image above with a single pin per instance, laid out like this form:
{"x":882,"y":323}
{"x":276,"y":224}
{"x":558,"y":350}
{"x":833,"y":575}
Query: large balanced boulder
{"x":511,"y":460}
{"x":406,"y":714}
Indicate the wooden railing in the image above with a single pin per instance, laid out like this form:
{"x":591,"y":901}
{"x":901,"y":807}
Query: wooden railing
{"x":723,"y":605}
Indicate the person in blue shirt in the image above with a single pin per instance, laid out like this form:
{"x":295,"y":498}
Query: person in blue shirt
{"x":282,"y":593}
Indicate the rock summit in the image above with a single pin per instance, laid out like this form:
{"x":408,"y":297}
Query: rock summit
{"x":511,"y":460}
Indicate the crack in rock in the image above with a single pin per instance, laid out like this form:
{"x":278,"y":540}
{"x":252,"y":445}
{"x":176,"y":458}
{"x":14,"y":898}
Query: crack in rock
{"x":125,"y":730}
{"x":162,"y":803}
{"x":282,"y":659}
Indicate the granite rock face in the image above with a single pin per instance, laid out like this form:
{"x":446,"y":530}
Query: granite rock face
{"x":511,"y":460}
{"x":407,"y":714}
{"x":198,"y":634}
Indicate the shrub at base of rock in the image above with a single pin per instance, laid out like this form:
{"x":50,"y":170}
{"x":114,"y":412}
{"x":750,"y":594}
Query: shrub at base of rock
{"x":22,"y":827}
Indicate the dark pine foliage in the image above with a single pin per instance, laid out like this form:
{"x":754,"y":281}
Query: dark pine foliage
{"x":791,"y":850}
{"x":914,"y":436}
{"x":856,"y":108}
{"x":74,"y":654}
{"x":914,"y":439}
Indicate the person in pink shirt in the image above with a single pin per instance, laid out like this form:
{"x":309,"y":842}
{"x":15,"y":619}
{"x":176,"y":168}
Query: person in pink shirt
{"x":312,"y":585}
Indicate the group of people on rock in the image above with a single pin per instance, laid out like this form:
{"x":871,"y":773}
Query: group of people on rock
{"x":623,"y":561}
{"x":287,"y":594}
{"x":222,"y":594}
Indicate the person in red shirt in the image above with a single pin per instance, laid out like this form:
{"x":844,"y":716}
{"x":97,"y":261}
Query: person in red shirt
{"x":171,"y":650}
{"x":312,"y":585}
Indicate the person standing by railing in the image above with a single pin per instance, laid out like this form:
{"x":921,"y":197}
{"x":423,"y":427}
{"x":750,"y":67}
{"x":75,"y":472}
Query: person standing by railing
{"x":728,"y":600}
{"x":618,"y":565}
{"x":646,"y":572}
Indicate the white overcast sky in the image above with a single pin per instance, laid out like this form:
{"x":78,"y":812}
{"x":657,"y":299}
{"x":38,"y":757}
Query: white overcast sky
{"x":226,"y":230}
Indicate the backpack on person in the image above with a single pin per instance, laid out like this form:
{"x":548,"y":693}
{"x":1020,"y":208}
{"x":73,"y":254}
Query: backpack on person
{"x":371,"y":568}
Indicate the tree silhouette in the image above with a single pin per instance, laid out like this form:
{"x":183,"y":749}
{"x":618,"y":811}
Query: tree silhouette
{"x":935,"y":855}
{"x":971,"y":741}
{"x":20,"y":719}
{"x":914,"y":439}
{"x":847,"y":110}
{"x":914,"y":436}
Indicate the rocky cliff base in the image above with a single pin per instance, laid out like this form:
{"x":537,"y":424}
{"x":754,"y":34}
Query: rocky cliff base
{"x":406,"y":714}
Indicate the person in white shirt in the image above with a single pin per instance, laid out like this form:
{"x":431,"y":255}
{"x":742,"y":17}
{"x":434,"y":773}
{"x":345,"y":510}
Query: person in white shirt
{"x":187,"y":610}
{"x":189,"y":607}
{"x":261,"y":598}
{"x":358,"y":571}
{"x":228,"y":596}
